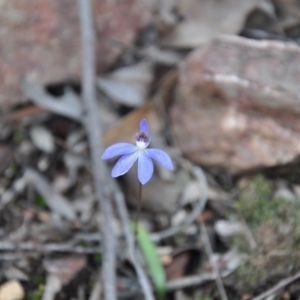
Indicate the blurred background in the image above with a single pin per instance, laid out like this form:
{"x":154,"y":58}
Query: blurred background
{"x":219,"y":83}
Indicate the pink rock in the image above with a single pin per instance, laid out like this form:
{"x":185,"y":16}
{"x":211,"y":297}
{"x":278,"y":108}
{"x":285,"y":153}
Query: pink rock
{"x":239,"y":104}
{"x":40,"y":40}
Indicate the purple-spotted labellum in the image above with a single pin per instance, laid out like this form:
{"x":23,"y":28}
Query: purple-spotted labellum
{"x":131,"y":153}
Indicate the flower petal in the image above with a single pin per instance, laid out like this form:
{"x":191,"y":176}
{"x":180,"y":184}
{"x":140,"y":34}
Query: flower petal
{"x":148,"y":142}
{"x":124,"y":164}
{"x":161,"y":156}
{"x":145,"y":168}
{"x":144,"y":126}
{"x":117,"y":150}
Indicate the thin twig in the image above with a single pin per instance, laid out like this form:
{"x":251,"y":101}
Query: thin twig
{"x":138,"y":211}
{"x":189,"y":281}
{"x":277,"y":287}
{"x":45,"y":248}
{"x":16,"y":256}
{"x":96,"y":291}
{"x":94,"y":131}
{"x":194,"y":280}
{"x":209,"y":253}
{"x":143,"y":279}
{"x":199,"y":174}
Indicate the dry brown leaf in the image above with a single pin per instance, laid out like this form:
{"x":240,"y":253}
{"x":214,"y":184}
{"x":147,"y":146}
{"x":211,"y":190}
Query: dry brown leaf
{"x":65,"y":268}
{"x":127,"y":127}
{"x":68,"y":105}
{"x":54,"y":200}
{"x":23,"y":113}
{"x":60,"y":272}
{"x":128,"y":85}
{"x":205,"y":19}
{"x":178,"y":266}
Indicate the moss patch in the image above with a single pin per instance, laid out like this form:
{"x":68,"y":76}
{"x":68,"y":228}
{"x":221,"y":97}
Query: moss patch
{"x":276,"y":229}
{"x":255,"y":203}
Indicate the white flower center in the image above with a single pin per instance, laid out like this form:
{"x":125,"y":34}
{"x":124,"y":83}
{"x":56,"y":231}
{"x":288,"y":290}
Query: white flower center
{"x":141,"y":145}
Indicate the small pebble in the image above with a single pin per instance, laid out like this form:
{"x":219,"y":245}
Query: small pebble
{"x":42,"y":138}
{"x":12,"y":290}
{"x":227,"y":229}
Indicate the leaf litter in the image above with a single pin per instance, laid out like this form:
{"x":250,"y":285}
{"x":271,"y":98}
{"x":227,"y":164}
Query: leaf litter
{"x":47,"y":203}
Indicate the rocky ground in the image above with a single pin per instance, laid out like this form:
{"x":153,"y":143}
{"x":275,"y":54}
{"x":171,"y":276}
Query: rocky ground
{"x":218,"y":82}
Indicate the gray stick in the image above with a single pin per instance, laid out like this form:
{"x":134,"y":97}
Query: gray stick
{"x":94,"y":132}
{"x":283,"y":283}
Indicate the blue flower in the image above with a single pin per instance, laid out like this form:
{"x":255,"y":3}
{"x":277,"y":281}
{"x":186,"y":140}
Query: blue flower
{"x":131,"y":153}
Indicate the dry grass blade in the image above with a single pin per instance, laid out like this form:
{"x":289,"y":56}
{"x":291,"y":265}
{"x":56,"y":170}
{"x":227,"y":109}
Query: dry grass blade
{"x":55,"y":201}
{"x":67,"y":105}
{"x":209,"y":252}
{"x":144,"y":281}
{"x":190,"y":281}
